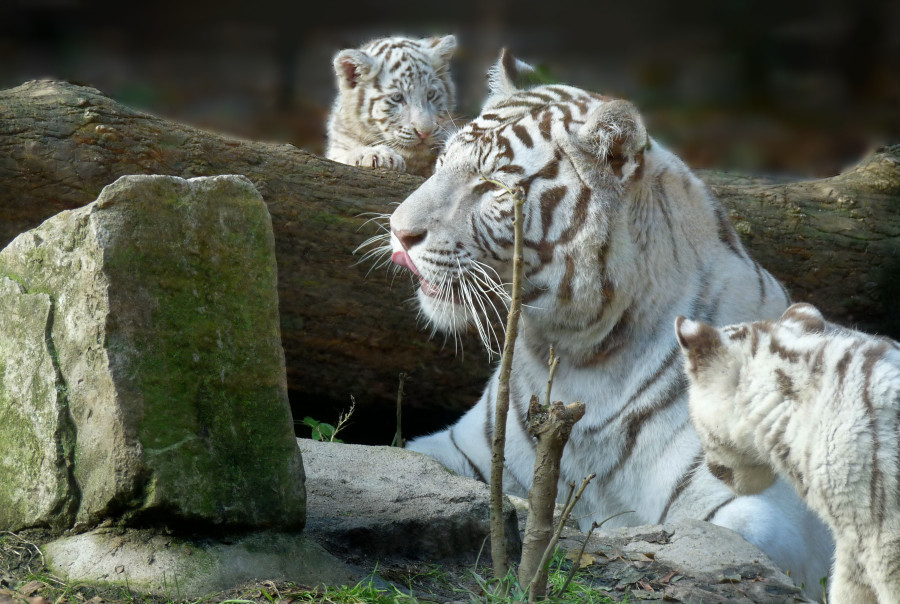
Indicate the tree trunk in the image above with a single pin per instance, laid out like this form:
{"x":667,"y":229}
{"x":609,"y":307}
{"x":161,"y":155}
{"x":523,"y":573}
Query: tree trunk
{"x":834,"y":242}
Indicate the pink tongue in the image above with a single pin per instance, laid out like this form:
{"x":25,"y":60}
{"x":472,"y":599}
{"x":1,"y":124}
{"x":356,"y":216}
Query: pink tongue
{"x":402,"y":258}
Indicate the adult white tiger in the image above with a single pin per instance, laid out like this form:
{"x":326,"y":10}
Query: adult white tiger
{"x":620,"y":239}
{"x":394,"y":94}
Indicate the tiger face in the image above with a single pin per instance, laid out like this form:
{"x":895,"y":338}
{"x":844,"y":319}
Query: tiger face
{"x":398,"y":89}
{"x":571,"y":154}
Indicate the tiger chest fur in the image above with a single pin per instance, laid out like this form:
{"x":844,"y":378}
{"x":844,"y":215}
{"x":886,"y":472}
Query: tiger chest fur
{"x":620,"y":238}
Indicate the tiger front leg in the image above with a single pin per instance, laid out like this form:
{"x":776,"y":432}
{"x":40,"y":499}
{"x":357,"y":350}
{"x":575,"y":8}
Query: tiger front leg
{"x":380,"y":156}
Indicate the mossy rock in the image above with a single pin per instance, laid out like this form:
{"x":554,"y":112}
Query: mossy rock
{"x":166,"y":338}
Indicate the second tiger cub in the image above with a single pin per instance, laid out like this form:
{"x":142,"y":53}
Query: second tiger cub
{"x":821,"y":410}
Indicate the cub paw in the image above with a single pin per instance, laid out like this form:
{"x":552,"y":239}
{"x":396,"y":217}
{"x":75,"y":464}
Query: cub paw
{"x":379,"y":157}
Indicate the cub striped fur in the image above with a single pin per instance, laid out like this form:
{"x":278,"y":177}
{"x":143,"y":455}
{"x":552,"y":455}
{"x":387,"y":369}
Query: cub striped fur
{"x":394,"y":95}
{"x":820,"y":409}
{"x":620,"y":238}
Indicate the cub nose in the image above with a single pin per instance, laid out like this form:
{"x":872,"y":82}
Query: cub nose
{"x":423,"y":133}
{"x":410,"y":238}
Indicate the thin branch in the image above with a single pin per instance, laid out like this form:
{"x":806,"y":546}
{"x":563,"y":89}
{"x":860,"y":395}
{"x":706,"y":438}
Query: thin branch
{"x":577,"y":562}
{"x":398,"y":436}
{"x":553,"y":363}
{"x":501,"y":409}
{"x":594,"y":526}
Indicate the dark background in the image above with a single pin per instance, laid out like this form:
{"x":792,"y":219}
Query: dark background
{"x":753,"y":85}
{"x":759,"y":86}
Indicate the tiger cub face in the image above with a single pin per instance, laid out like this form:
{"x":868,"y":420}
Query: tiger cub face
{"x":570,"y":154}
{"x":392,"y":92}
{"x":738,"y":375}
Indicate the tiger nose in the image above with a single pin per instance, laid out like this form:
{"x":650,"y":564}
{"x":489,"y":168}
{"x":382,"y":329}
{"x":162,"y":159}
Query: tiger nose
{"x":410,"y":238}
{"x":423,"y":133}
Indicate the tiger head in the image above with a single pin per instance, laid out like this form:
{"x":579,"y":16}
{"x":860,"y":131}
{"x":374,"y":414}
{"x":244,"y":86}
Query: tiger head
{"x":713,"y":364}
{"x":573,"y":155}
{"x":397,"y":90}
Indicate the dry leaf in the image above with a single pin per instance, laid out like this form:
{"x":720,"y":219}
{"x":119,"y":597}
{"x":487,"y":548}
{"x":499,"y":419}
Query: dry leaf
{"x":585,"y":559}
{"x":667,"y":577}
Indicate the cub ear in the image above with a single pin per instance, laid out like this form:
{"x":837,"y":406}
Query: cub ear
{"x":441,"y":49}
{"x":698,"y":340}
{"x":503,"y":75}
{"x":616,"y":133}
{"x":806,"y":316}
{"x":353,"y":66}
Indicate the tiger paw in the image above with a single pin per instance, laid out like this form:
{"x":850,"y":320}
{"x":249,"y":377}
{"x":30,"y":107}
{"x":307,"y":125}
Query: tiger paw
{"x":378,"y":157}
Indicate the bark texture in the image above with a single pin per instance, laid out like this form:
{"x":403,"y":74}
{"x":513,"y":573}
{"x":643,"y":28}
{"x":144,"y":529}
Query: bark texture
{"x":344,"y":331}
{"x":834,"y":242}
{"x":551,"y":427}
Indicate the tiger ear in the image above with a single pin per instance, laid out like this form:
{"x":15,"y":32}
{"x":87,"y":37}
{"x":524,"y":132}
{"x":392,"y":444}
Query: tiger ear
{"x":353,"y":66}
{"x":698,"y":340}
{"x":441,"y":50}
{"x":616,"y":133}
{"x":503,"y":75}
{"x":806,"y":316}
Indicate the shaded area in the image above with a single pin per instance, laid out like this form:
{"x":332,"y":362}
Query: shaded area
{"x":801,"y":87}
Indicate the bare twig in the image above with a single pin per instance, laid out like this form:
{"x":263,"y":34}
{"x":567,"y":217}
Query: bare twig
{"x":501,"y":409}
{"x":538,"y":585}
{"x":594,"y":526}
{"x":553,"y":362}
{"x":577,"y":562}
{"x":398,"y":436}
{"x":23,"y":549}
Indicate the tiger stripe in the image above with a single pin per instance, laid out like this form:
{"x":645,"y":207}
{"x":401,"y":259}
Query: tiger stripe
{"x":681,"y":485}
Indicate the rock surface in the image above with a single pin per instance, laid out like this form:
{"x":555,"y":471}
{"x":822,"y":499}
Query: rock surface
{"x":385,"y":501}
{"x":189,"y":568}
{"x":156,"y":346}
{"x":383,"y":508}
{"x":34,"y":421}
{"x":692,"y":561}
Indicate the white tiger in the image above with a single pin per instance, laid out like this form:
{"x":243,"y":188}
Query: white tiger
{"x":394,"y":95}
{"x":823,"y":411}
{"x":620,"y":238}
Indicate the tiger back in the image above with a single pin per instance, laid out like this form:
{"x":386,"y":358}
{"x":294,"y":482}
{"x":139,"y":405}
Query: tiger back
{"x":620,"y":237}
{"x":394,"y":97}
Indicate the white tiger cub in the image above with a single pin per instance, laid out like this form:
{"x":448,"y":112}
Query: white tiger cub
{"x":620,"y":238}
{"x":394,"y":95}
{"x":823,"y":411}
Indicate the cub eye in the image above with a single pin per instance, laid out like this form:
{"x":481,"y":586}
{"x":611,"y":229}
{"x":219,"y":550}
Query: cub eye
{"x":432,"y":94}
{"x":397,"y":97}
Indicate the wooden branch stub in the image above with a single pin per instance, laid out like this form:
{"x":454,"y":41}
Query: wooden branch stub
{"x":551,"y":426}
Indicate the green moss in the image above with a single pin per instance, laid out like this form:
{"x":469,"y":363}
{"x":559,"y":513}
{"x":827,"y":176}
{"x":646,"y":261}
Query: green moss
{"x":34,"y":429}
{"x":215,"y":426}
{"x":327,"y":218}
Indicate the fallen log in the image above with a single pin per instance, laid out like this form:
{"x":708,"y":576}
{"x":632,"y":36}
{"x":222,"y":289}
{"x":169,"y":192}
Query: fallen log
{"x":834,"y":242}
